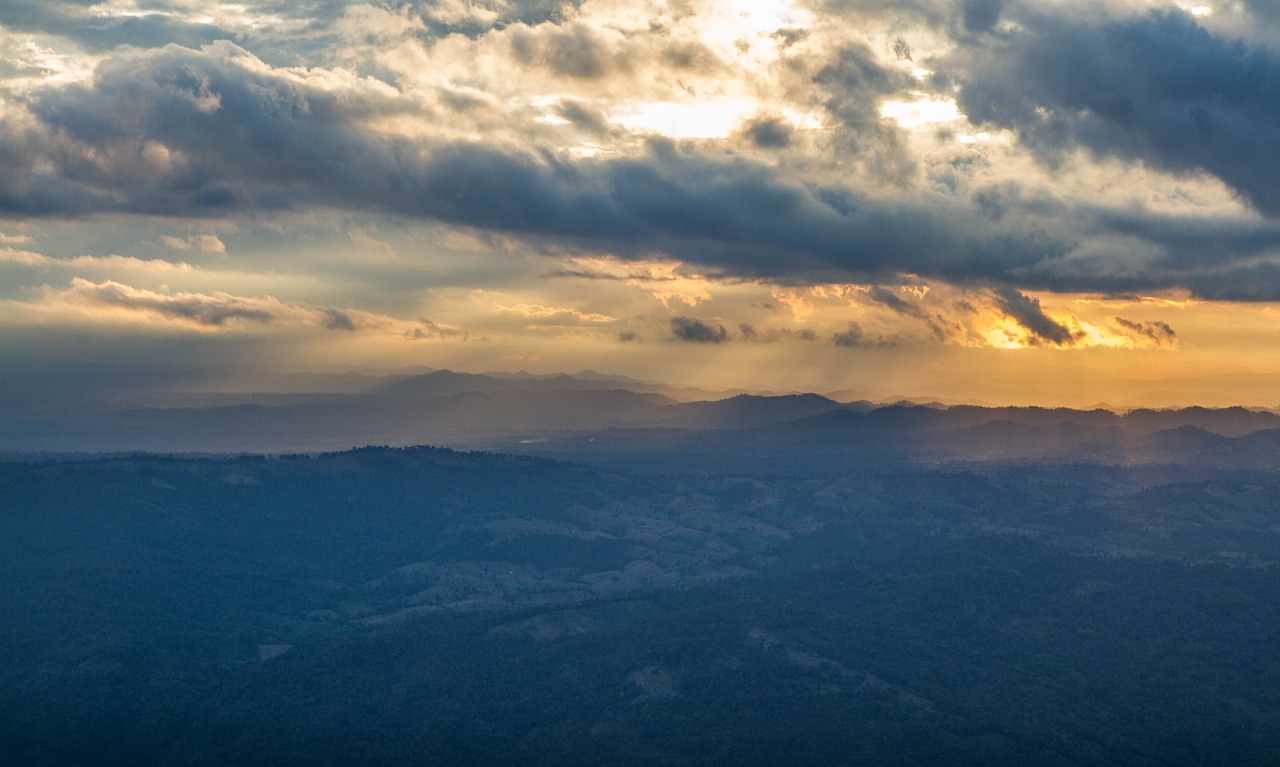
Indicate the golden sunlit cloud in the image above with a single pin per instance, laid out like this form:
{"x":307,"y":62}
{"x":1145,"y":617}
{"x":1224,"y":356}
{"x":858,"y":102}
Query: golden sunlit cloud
{"x":548,"y":313}
{"x":924,"y":112}
{"x":205,"y":243}
{"x":11,"y":255}
{"x":115,"y":302}
{"x":112,"y":262}
{"x":672,"y":283}
{"x":714,"y":118}
{"x":1004,"y":333}
{"x":801,"y":308}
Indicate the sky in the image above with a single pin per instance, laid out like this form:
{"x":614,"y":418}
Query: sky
{"x":1007,"y":201}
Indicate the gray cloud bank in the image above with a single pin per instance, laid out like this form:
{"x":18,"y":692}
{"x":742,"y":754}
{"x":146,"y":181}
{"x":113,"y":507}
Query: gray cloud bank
{"x":1158,"y":89}
{"x":213,"y":132}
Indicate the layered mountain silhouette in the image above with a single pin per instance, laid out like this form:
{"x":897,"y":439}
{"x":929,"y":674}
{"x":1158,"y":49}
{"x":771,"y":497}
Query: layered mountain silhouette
{"x":591,"y":416}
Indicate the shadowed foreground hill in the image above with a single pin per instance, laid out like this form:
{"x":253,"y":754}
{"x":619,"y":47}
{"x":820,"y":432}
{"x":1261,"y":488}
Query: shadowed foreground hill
{"x":409,"y":606}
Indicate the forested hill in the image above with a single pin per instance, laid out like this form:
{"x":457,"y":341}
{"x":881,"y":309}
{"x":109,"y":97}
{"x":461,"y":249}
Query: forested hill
{"x":408,"y":606}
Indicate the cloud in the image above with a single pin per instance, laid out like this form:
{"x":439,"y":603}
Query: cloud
{"x":850,"y":88}
{"x":583,"y":117}
{"x":376,"y":25}
{"x":574,"y":50}
{"x":112,"y":262}
{"x":494,"y":143}
{"x":670,"y":282}
{"x":1155,"y":332}
{"x":177,"y":131}
{"x":596,"y":268}
{"x":691,"y":329}
{"x":770,"y":132}
{"x":426,"y":330}
{"x":475,"y":17}
{"x":749,"y":332}
{"x":893,"y":301}
{"x":1026,"y":311}
{"x":11,"y":255}
{"x":124,"y":263}
{"x":212,"y":310}
{"x":336,"y":319}
{"x":92,"y":29}
{"x":941,"y":328}
{"x":850,"y":337}
{"x":216,"y":311}
{"x":279,"y":141}
{"x":555,"y":314}
{"x":366,"y":238}
{"x":855,"y":337}
{"x":1157,"y":88}
{"x":205,"y":243}
{"x":980,"y":15}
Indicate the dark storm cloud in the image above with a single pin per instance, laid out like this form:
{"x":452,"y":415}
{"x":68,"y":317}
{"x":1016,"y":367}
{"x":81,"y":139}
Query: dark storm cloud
{"x":1240,"y":282}
{"x":1157,"y":88}
{"x":248,"y":139}
{"x":1026,"y":311}
{"x":244,"y":138}
{"x":251,"y":142}
{"x":1226,"y":259}
{"x":694,"y":330}
{"x":240,"y":138}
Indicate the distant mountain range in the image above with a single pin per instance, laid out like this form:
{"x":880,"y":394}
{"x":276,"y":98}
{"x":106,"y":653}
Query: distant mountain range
{"x":594,"y":417}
